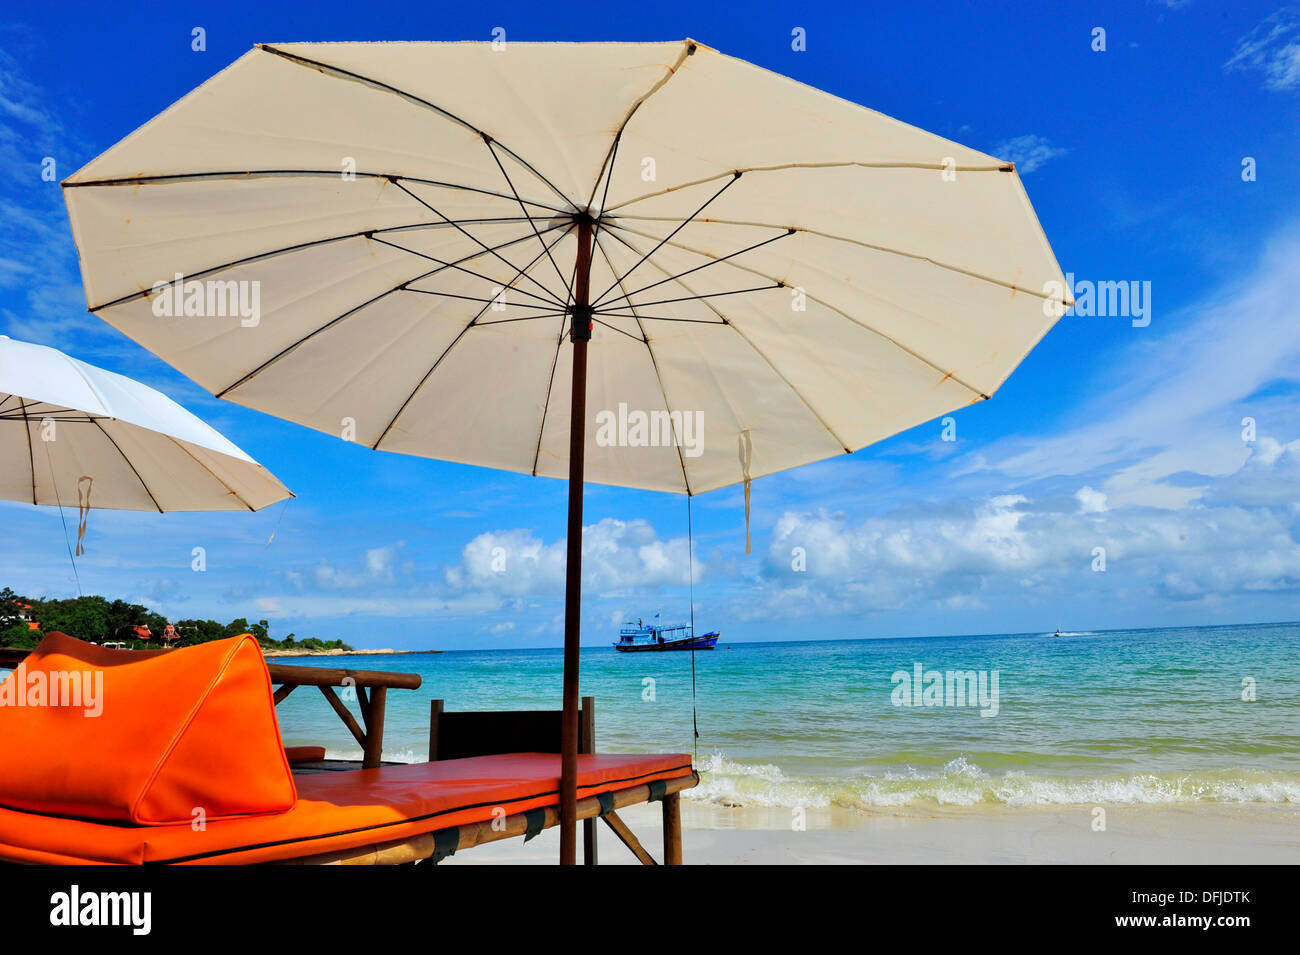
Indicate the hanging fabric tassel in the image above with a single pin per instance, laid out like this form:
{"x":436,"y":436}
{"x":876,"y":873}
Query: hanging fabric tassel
{"x":83,"y":511}
{"x":746,"y":459}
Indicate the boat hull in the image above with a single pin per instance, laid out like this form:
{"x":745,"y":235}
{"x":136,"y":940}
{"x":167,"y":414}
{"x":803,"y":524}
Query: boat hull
{"x":706,"y":642}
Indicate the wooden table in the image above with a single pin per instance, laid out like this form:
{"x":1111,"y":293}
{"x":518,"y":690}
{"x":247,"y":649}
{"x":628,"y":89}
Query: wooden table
{"x":371,"y":687}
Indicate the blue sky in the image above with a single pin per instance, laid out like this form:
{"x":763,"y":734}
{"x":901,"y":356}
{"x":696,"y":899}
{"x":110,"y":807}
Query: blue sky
{"x":1108,"y":435}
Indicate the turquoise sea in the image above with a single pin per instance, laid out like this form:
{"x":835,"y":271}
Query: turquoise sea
{"x":1134,"y":716}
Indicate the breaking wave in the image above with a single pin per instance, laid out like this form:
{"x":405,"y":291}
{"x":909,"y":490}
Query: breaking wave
{"x":961,"y":783}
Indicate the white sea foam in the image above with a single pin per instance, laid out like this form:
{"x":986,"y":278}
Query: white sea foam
{"x":962,"y":783}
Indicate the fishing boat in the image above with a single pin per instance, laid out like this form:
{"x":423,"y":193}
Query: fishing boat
{"x":638,"y":636}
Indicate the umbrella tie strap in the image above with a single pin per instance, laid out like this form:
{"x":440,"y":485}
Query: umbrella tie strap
{"x":746,"y":459}
{"x":83,"y":510}
{"x":445,"y":844}
{"x":534,"y":823}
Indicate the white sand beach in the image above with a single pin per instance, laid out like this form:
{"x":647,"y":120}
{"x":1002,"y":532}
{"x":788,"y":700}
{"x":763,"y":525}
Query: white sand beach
{"x":1134,"y":835}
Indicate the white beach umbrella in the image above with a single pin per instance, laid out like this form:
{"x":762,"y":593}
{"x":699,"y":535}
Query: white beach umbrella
{"x":422,"y":239}
{"x":71,"y":433}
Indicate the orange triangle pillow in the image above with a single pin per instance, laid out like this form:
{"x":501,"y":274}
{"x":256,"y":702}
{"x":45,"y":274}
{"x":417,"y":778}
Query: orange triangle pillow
{"x":149,"y":737}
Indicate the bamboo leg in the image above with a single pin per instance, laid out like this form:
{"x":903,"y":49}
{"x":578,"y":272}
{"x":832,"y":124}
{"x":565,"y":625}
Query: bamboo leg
{"x":627,"y":837}
{"x":587,"y":744}
{"x":672,"y":829}
{"x":374,"y":745}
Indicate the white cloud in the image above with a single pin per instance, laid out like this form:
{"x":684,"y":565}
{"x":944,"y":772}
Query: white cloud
{"x":1165,"y":416}
{"x":1272,"y":48}
{"x":617,"y":557}
{"x":1028,"y":152}
{"x":376,"y":568}
{"x":1242,"y":538}
{"x":1090,"y":501}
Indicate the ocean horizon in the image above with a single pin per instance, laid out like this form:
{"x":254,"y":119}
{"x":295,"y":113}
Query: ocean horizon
{"x":1188,"y":715}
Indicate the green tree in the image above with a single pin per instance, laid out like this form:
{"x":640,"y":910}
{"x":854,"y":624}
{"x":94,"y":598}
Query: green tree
{"x":20,"y":636}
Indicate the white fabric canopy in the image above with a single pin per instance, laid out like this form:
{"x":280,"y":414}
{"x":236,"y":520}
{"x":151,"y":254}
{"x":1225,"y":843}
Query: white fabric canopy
{"x":859,"y":277}
{"x":74,"y":434}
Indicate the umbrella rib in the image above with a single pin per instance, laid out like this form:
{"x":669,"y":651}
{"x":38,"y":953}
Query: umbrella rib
{"x":473,"y":298}
{"x":681,"y":225}
{"x":660,"y":318}
{"x":522,"y":318}
{"x":130,"y":464}
{"x":654,"y":363}
{"x":611,"y":158}
{"x":563,"y":309}
{"x":615,"y":328}
{"x":474,"y":239}
{"x":272,"y":253}
{"x":998,"y":167}
{"x":446,"y":351}
{"x":295,"y":173}
{"x":696,"y":298}
{"x":688,"y":48}
{"x":340,"y":73}
{"x":712,"y":260}
{"x":66,"y":415}
{"x":31,"y":457}
{"x":550,"y":379}
{"x":220,"y":480}
{"x":488,"y":141}
{"x":841,"y":238}
{"x":793,"y":390}
{"x":352,"y":311}
{"x":478,"y":275}
{"x":893,"y":341}
{"x":776,"y":371}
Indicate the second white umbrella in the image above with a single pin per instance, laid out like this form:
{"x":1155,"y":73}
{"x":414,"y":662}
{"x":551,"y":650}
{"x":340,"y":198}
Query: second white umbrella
{"x":72,"y":433}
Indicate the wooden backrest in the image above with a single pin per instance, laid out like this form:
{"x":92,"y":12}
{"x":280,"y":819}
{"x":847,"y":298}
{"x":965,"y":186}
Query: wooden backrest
{"x":461,"y":734}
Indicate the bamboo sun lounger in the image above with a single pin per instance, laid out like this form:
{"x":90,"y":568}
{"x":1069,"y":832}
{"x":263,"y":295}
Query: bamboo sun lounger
{"x":183,"y":763}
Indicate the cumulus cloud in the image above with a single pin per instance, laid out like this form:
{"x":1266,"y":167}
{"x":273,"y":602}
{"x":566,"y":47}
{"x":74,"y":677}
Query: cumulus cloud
{"x":1242,"y":538}
{"x":617,"y":557}
{"x":1090,"y":501}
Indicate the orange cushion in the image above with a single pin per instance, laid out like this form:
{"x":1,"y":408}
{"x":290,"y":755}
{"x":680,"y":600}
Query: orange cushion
{"x":154,"y":737}
{"x":339,"y":810}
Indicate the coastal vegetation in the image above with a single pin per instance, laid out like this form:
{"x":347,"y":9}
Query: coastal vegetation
{"x":97,"y":619}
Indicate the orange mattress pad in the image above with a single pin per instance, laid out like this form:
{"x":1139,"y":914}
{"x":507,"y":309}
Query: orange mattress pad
{"x":336,"y":811}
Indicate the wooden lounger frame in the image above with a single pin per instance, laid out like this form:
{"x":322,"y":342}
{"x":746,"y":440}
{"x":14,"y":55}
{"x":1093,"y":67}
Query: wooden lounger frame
{"x":437,"y":845}
{"x":465,"y":734}
{"x":458,"y":735}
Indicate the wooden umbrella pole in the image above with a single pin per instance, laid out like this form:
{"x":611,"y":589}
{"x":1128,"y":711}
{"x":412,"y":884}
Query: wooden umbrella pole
{"x":580,"y":334}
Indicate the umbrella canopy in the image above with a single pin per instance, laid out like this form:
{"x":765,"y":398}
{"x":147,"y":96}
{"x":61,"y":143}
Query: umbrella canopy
{"x":74,"y":433}
{"x":423,"y":240}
